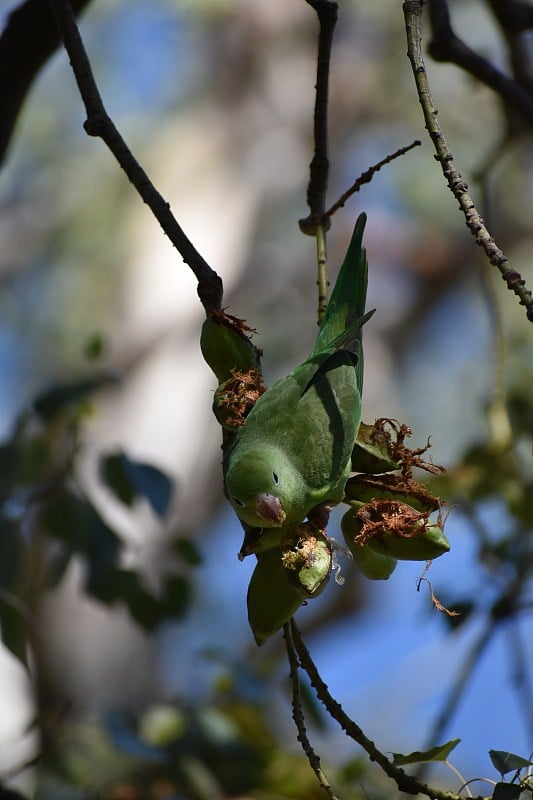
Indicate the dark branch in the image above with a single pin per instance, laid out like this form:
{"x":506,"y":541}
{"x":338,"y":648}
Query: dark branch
{"x":27,"y":41}
{"x":446,"y":46}
{"x":319,"y":169}
{"x":99,"y":123}
{"x":458,"y":186}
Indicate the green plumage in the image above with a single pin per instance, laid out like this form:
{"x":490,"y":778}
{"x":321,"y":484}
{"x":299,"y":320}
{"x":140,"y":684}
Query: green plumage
{"x":293,"y":452}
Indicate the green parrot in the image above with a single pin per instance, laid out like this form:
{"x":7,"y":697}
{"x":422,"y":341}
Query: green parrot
{"x":293,"y":452}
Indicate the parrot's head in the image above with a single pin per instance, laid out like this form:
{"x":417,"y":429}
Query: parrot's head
{"x":263,"y":487}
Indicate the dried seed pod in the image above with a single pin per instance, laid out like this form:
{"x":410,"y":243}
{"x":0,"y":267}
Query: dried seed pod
{"x":393,"y":528}
{"x":235,"y":398}
{"x":373,"y":565}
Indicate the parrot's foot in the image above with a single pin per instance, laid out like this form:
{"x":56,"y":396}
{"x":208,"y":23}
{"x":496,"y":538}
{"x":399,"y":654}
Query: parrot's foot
{"x":319,"y":516}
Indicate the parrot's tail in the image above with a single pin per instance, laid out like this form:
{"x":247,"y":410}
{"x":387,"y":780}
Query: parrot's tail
{"x":345,"y":314}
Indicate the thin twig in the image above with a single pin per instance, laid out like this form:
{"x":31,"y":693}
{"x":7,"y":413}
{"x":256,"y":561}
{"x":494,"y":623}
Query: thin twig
{"x":413,"y":14}
{"x":367,"y":176}
{"x":405,"y":783}
{"x":99,"y":123}
{"x":298,"y":716}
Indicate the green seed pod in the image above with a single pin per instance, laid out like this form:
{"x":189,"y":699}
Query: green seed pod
{"x":373,"y":565}
{"x":306,"y":555}
{"x":226,"y":347}
{"x":371,"y":452}
{"x":272,"y":596}
{"x":365,"y":488}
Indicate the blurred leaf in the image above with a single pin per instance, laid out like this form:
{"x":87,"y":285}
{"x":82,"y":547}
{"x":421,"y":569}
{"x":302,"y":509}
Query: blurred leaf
{"x":10,"y":794}
{"x":121,"y":726}
{"x":55,"y":400}
{"x":115,"y":474}
{"x":12,"y":566}
{"x":438,"y":753}
{"x":128,"y":479}
{"x":13,"y":627}
{"x":94,"y":346}
{"x":508,"y":762}
{"x":75,"y":522}
{"x":462,"y":608}
{"x":506,"y":791}
{"x":188,"y":550}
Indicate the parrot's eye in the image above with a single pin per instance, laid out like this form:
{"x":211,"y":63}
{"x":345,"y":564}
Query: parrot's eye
{"x":276,"y":479}
{"x":239,"y":502}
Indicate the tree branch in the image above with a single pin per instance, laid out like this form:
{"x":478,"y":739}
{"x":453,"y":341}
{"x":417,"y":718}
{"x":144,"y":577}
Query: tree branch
{"x":99,"y":123}
{"x":405,"y":783}
{"x":327,"y":12}
{"x":27,"y":41}
{"x":447,"y":47}
{"x":413,"y":13}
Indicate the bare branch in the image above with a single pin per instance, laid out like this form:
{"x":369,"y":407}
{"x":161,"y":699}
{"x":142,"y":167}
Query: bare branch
{"x":405,"y":783}
{"x":413,"y":13}
{"x":298,"y":716}
{"x":446,"y":46}
{"x":99,"y":123}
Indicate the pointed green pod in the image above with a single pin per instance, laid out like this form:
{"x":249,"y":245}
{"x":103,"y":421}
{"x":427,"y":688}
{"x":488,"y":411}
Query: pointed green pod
{"x":226,"y":347}
{"x":371,"y":452}
{"x":272,"y":596}
{"x":373,"y":565}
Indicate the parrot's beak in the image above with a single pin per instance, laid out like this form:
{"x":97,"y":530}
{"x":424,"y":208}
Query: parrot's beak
{"x":269,"y":508}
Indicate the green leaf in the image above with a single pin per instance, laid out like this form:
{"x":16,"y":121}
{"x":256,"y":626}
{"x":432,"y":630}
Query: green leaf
{"x":57,"y":399}
{"x":128,"y":479}
{"x":508,"y":762}
{"x":13,"y":623}
{"x":188,"y":550}
{"x":75,"y":522}
{"x":507,"y":791}
{"x":13,"y":627}
{"x":438,"y":753}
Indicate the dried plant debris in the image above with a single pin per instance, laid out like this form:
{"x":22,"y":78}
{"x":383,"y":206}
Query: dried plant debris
{"x":235,"y":398}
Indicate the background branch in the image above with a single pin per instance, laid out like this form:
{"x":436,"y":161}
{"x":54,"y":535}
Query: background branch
{"x":446,"y":46}
{"x":413,"y":13}
{"x":99,"y":123}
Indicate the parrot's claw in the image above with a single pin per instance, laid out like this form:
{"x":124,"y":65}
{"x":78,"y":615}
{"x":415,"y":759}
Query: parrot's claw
{"x":319,"y":516}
